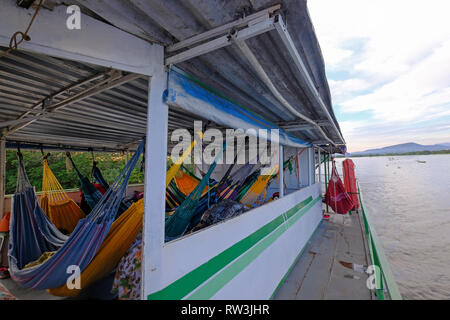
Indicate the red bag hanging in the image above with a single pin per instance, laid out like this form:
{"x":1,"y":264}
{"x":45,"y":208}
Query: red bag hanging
{"x":336,"y":196}
{"x":350,"y":181}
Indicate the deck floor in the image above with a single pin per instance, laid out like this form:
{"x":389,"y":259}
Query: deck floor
{"x":331,"y":265}
{"x":26,"y":294}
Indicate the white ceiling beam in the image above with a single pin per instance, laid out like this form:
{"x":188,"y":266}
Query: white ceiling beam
{"x":96,"y":42}
{"x":254,"y":28}
{"x":224,"y":29}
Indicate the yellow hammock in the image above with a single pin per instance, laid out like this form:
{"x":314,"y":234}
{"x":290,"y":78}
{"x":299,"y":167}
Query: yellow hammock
{"x":120,"y":237}
{"x":62,"y":211}
{"x":252,"y":196}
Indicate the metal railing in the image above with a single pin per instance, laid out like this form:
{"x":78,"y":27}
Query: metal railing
{"x":385,"y":285}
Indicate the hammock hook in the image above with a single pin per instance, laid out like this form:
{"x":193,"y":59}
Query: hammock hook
{"x":44,"y":156}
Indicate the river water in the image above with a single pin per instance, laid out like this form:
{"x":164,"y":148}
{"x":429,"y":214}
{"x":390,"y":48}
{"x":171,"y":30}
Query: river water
{"x":409,"y":205}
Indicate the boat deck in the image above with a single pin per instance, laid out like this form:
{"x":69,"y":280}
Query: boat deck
{"x":21,"y":293}
{"x":332,"y":264}
{"x":330,"y":267}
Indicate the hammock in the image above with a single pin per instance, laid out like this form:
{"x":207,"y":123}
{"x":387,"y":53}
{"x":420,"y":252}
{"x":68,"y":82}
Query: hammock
{"x":255,"y":192}
{"x":90,"y":192}
{"x":246,"y":185}
{"x":78,"y":249}
{"x":350,"y":181}
{"x":31,"y":231}
{"x":63,"y":212}
{"x":221,"y":211}
{"x":120,"y":237}
{"x":177,"y":224}
{"x":336,"y":196}
{"x":186,"y":183}
{"x":97,"y":175}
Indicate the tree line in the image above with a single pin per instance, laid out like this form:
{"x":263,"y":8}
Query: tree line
{"x":110,"y":165}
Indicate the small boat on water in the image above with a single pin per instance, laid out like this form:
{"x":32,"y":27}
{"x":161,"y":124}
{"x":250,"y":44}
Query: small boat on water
{"x":421,"y":161}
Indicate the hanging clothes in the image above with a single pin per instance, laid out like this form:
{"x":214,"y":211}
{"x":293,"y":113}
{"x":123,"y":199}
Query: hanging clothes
{"x":127,"y":280}
{"x":336,"y":196}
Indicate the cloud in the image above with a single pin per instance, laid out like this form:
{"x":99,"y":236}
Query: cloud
{"x":423,"y":91}
{"x":343,"y":89}
{"x":390,"y":58}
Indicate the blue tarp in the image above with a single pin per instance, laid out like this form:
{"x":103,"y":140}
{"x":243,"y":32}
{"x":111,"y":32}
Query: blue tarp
{"x":186,"y":94}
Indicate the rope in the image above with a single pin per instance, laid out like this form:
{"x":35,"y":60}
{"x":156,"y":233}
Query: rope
{"x":14,"y":42}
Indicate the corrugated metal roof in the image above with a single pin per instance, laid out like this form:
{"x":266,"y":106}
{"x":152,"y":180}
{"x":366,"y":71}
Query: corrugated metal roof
{"x":117,"y":116}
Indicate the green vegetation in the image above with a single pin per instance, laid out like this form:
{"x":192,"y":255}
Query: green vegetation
{"x":402,"y":154}
{"x":109,"y":163}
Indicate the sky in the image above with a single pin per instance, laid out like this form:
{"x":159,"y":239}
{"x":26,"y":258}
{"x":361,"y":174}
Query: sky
{"x":388,"y":68}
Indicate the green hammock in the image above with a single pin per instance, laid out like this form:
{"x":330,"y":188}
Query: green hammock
{"x":177,"y":224}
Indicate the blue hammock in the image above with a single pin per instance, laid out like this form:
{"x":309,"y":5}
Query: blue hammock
{"x":32,"y":229}
{"x":78,"y":249}
{"x":98,"y":177}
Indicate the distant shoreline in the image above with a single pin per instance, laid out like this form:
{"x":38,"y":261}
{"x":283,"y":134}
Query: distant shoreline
{"x":417,"y":153}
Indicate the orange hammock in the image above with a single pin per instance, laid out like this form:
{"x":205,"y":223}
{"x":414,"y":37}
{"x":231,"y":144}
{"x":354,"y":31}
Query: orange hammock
{"x":186,"y":183}
{"x":62,"y":211}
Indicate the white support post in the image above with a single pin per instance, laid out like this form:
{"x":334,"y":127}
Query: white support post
{"x":155,"y":188}
{"x":2,"y":175}
{"x":299,"y":182}
{"x":281,"y":170}
{"x":320,"y":169}
{"x":311,"y":166}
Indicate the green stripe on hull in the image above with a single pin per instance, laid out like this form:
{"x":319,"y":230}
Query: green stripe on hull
{"x":225,"y":276}
{"x":189,"y":282}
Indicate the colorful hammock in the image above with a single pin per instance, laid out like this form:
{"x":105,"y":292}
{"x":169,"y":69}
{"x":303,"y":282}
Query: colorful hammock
{"x":256,"y":193}
{"x":31,"y":231}
{"x":177,"y":224}
{"x":336,"y":196}
{"x":79,"y":249}
{"x":63,"y":212}
{"x":186,"y":183}
{"x":121,"y":235}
